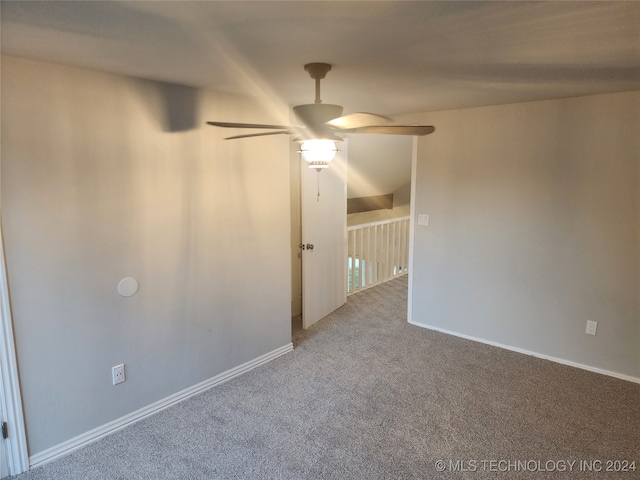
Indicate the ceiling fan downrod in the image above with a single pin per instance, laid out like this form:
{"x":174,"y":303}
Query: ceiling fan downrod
{"x":317,"y":71}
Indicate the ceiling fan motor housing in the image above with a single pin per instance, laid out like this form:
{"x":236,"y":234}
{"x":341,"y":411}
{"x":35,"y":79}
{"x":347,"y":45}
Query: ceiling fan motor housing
{"x":316,"y":115}
{"x":317,"y":70}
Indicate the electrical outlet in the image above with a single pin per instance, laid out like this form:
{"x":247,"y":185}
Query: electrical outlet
{"x":592,"y":327}
{"x":117,"y":373}
{"x":423,"y":219}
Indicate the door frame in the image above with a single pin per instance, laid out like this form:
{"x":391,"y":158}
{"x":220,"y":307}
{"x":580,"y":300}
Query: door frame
{"x":412,"y":231}
{"x":16,"y":444}
{"x":295,"y":171}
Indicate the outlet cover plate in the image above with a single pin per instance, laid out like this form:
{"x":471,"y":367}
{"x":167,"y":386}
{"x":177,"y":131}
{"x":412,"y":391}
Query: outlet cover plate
{"x":117,"y":374}
{"x":592,"y":327}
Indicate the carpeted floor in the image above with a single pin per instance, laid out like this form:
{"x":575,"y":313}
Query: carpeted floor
{"x":364,"y":395}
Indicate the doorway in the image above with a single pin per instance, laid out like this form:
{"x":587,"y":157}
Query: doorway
{"x":318,"y":238}
{"x":4,"y":460}
{"x":377,"y":166}
{"x":13,"y":450}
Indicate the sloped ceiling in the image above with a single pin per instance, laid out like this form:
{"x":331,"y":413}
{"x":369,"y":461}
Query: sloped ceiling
{"x":378,"y":164}
{"x":388,"y":57}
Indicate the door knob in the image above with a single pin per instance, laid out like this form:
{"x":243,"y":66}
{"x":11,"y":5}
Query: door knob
{"x":309,"y":246}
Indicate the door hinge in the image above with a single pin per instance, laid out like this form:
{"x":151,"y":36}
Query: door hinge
{"x":5,"y":430}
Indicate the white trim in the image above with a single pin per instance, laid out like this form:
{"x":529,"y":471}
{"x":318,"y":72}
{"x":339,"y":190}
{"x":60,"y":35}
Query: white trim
{"x":91,"y":436}
{"x":412,"y":233}
{"x":16,"y":444}
{"x":366,"y":287}
{"x":358,"y":226}
{"x":582,"y":366}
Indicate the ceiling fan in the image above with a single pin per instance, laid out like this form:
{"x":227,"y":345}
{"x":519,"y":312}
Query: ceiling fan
{"x":321,"y":121}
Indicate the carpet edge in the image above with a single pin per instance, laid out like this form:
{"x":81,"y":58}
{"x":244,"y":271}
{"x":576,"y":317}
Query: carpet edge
{"x":84,"y":439}
{"x":543,"y":356}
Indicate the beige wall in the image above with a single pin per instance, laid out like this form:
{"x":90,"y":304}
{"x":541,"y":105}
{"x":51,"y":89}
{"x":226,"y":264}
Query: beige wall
{"x":534,"y":227}
{"x":401,"y":208}
{"x":104,"y":177}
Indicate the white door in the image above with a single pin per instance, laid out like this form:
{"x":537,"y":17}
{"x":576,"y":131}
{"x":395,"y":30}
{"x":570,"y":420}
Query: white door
{"x":13,"y":451}
{"x":4,"y":460}
{"x":324,"y":227}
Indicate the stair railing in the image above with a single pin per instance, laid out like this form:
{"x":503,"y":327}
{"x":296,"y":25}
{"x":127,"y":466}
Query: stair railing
{"x":377,"y":252}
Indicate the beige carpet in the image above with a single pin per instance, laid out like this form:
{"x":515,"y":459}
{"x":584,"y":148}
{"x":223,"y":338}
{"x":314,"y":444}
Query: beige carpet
{"x":364,"y":395}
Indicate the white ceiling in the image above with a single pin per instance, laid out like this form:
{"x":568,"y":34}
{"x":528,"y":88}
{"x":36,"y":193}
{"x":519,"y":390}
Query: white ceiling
{"x":389,"y":57}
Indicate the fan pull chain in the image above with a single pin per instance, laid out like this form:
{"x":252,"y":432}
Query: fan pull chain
{"x":318,"y":170}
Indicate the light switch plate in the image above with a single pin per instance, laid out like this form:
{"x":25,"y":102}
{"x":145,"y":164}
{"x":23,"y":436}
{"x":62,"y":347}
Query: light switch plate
{"x":592,"y":327}
{"x":423,"y":219}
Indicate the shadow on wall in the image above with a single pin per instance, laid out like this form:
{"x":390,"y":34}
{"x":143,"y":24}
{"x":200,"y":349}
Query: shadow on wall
{"x":174,"y":107}
{"x":180,"y":105}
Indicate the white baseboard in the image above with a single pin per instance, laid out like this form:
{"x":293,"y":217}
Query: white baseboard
{"x":91,"y":436}
{"x":621,"y":376}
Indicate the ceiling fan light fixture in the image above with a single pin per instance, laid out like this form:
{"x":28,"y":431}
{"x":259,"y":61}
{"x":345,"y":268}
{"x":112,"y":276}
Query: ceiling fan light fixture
{"x":320,"y":122}
{"x":318,"y":165}
{"x":318,"y":152}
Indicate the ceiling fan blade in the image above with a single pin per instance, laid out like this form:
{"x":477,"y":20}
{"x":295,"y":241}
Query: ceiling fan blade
{"x":281,"y":132}
{"x":393,"y":130}
{"x":358,"y":120}
{"x":247,"y":125}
